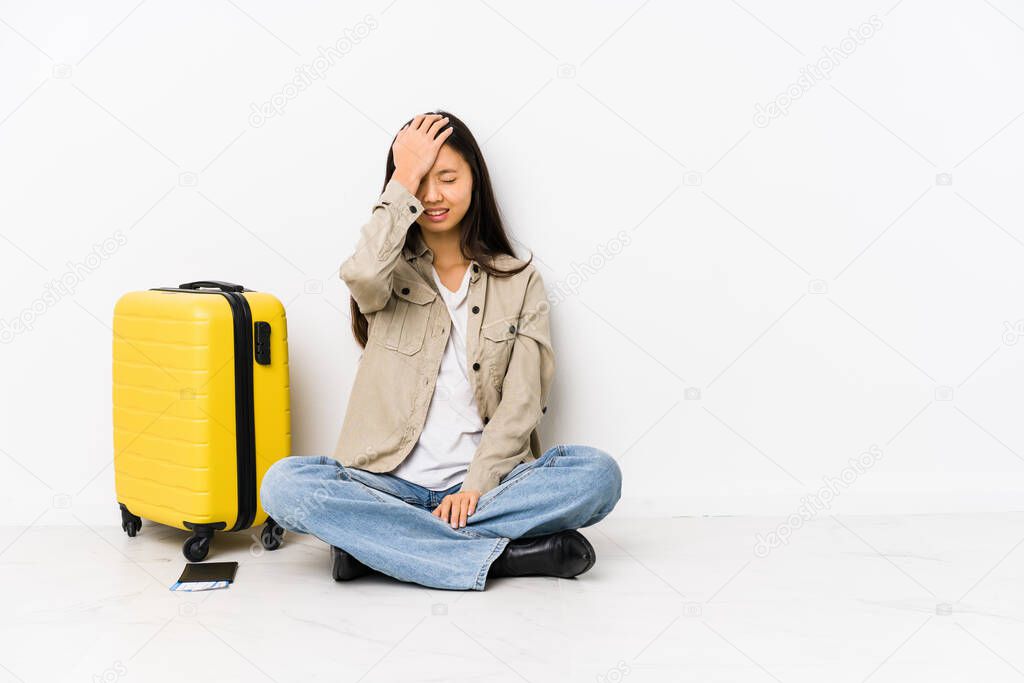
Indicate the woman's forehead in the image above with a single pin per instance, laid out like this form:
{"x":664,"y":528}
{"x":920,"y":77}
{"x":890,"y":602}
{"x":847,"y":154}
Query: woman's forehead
{"x":448,"y":160}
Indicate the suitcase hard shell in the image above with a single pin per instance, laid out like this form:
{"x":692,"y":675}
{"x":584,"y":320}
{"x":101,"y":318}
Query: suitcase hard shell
{"x":201,"y":408}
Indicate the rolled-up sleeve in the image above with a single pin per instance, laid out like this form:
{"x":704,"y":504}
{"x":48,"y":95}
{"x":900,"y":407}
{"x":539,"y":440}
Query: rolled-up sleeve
{"x":505,"y":441}
{"x":368,"y":271}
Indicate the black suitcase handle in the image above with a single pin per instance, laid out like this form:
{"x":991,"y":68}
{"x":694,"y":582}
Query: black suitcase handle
{"x":213,"y":284}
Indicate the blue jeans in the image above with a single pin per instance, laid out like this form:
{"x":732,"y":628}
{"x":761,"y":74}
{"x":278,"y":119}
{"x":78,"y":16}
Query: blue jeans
{"x":386,"y":523}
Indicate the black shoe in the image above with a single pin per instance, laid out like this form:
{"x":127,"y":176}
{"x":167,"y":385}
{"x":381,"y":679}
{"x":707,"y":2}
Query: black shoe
{"x":344,"y":567}
{"x":564,"y":554}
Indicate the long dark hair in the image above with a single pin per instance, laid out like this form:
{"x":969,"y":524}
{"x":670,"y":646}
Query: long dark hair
{"x":483,"y":234}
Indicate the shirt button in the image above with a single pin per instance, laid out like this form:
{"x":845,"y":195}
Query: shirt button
{"x":476,"y":268}
{"x":476,"y":366}
{"x":486,"y":419}
{"x":405,"y":290}
{"x":413,"y":209}
{"x":476,"y":309}
{"x":511,"y":328}
{"x":544,"y":409}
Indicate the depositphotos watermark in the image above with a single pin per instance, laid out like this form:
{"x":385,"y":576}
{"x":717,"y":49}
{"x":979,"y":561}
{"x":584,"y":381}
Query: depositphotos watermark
{"x":815,"y":72}
{"x":822,"y":499}
{"x":112,"y":673}
{"x":61,"y":287}
{"x":1013,"y":332}
{"x":581,"y":272}
{"x":306,"y":74}
{"x":615,"y":673}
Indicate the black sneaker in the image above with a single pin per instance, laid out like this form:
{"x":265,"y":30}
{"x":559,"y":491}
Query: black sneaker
{"x":344,"y":567}
{"x":564,"y":554}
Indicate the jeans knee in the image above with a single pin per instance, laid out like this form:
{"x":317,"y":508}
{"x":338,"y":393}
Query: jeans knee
{"x":297,"y":487}
{"x":609,"y":477}
{"x":282,"y":490}
{"x":603,"y":477}
{"x":601,"y":483}
{"x":272,"y":488}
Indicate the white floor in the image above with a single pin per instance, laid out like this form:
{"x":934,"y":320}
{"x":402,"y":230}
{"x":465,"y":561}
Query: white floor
{"x":685,"y":599}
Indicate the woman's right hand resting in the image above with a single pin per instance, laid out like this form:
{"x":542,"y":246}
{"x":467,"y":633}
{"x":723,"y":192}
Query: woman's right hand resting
{"x":416,"y":147}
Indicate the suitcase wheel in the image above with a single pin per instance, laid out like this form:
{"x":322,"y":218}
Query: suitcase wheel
{"x":196,"y":547}
{"x":271,"y":535}
{"x":130,"y":524}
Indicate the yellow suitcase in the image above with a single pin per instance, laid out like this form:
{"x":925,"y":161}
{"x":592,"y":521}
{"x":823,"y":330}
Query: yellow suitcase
{"x":201,"y":408}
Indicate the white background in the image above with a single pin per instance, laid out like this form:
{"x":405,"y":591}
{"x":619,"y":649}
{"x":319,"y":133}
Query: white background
{"x":791,"y":294}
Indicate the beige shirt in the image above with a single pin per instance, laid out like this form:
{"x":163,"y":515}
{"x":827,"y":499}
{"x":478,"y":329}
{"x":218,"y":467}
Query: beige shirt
{"x":509,"y":356}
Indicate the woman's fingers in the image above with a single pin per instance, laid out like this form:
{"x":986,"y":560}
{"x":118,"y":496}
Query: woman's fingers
{"x":445,"y":134}
{"x":423,"y":121}
{"x":435,"y":126}
{"x":427,"y":124}
{"x":415,"y":149}
{"x":456,"y":508}
{"x":456,"y":512}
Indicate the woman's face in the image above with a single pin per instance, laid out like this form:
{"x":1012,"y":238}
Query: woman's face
{"x":448,"y":185}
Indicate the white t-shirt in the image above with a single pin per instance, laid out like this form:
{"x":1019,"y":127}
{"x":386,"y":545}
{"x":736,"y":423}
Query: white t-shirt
{"x":452,"y":430}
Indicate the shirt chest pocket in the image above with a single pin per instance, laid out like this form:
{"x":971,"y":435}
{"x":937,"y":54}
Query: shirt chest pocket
{"x":497,"y":340}
{"x":405,"y":326}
